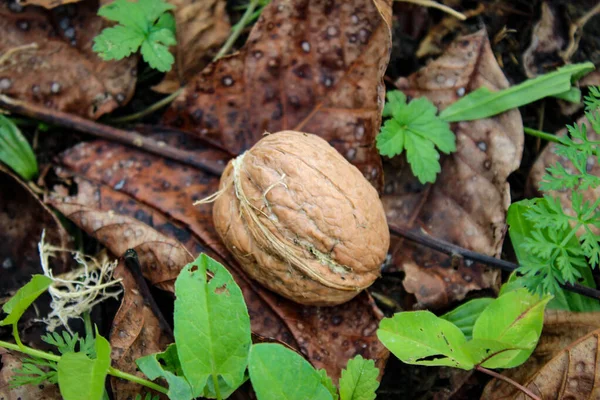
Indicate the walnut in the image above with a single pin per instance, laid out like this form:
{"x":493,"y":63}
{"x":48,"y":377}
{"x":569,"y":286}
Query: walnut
{"x":302,"y":220}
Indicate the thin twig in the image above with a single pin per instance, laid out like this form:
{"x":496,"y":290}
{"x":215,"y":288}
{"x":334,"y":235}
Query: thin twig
{"x":238,"y":30}
{"x":435,"y":4}
{"x":128,"y":138}
{"x":507,"y":380}
{"x":148,"y":110}
{"x":420,"y":237}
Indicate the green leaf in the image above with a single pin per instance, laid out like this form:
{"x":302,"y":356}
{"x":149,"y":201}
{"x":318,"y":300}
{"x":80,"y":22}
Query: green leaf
{"x":80,"y":377}
{"x":483,"y":103}
{"x":166,"y":365}
{"x":127,"y":13}
{"x":572,"y":95}
{"x":17,"y":305}
{"x":212,"y":327}
{"x":157,"y":55}
{"x":118,"y":42}
{"x":359,"y":380}
{"x":516,"y":318}
{"x":153,"y":9}
{"x":15,"y":151}
{"x":465,"y":315}
{"x":328,"y":383}
{"x":491,"y":353}
{"x":415,"y":127}
{"x":278,"y":373}
{"x":421,"y":338}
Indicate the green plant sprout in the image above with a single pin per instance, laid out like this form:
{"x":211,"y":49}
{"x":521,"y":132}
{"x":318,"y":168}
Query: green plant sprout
{"x":144,"y":25}
{"x":15,"y":151}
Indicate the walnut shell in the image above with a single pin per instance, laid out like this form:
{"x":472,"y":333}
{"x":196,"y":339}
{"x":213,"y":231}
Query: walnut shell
{"x":302,"y":220}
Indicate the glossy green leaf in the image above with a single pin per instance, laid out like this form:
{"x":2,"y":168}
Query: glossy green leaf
{"x":465,"y":315}
{"x":212,"y":328}
{"x":516,"y":318}
{"x":17,"y":305}
{"x":328,"y":383}
{"x":15,"y":150}
{"x":278,"y":373}
{"x":359,"y":380}
{"x":166,"y":365}
{"x":483,"y":103}
{"x":491,"y":353}
{"x":80,"y":377}
{"x":420,"y":337}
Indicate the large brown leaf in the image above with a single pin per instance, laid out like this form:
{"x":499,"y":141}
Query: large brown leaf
{"x":46,"y":57}
{"x":468,"y":202}
{"x":328,"y":336}
{"x":309,"y":65}
{"x":563,"y":366}
{"x":202,"y":26}
{"x":22,"y":219}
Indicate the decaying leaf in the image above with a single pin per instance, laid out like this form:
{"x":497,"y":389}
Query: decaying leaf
{"x":46,"y":3}
{"x":10,"y":361}
{"x":563,"y":364}
{"x":135,"y":333}
{"x":22,"y":219}
{"x":327,"y":336}
{"x":468,"y":202}
{"x":46,"y":57}
{"x":202,"y":27}
{"x":309,"y":66}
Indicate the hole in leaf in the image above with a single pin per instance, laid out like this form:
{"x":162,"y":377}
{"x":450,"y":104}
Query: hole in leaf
{"x":432,"y":357}
{"x":222,"y":289}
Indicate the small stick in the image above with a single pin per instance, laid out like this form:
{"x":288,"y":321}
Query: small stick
{"x":435,"y":4}
{"x":420,"y":237}
{"x":128,"y":138}
{"x":507,"y":380}
{"x":133,"y":264}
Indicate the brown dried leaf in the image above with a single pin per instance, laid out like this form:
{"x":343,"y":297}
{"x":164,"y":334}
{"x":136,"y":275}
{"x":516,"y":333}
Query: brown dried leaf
{"x":135,"y":333}
{"x":468,"y":202}
{"x":46,"y":3}
{"x":310,"y":66}
{"x":557,"y":368}
{"x":202,"y":26}
{"x":46,"y":57}
{"x":23,"y":217}
{"x":328,"y":336}
{"x":10,"y":361}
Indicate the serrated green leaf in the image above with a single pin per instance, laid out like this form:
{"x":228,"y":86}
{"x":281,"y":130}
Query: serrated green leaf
{"x":157,"y":55}
{"x":15,"y":151}
{"x":166,"y":21}
{"x":515,"y":318}
{"x":328,"y":383}
{"x":465,"y":315}
{"x":153,"y":9}
{"x":359,"y":380}
{"x":212,"y":327}
{"x":17,"y":305}
{"x":491,"y":353}
{"x":166,"y":365}
{"x":80,"y":377}
{"x":278,"y":373}
{"x":421,"y":338}
{"x":127,"y":13}
{"x":423,"y":158}
{"x":483,"y":103}
{"x":117,"y":42}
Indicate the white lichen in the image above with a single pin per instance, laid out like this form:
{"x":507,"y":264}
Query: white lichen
{"x":79,"y":290}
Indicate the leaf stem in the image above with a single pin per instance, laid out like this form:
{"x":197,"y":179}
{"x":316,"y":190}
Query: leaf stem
{"x":217,"y":388}
{"x":148,"y":110}
{"x":507,"y":380}
{"x":238,"y":30}
{"x":15,"y":332}
{"x":542,"y":135}
{"x":435,"y":4}
{"x":141,"y":381}
{"x":29,"y":351}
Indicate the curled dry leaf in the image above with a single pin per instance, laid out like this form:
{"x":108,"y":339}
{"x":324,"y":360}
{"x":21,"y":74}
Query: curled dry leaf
{"x":328,"y":336}
{"x":46,"y":57}
{"x":309,"y":66}
{"x":202,"y":27}
{"x":563,"y":365}
{"x":135,"y":333}
{"x":468,"y":202}
{"x":23,"y":217}
{"x":10,"y":361}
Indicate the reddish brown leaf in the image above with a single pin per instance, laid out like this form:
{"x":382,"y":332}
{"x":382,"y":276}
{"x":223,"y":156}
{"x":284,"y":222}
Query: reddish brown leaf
{"x":311,"y":66}
{"x":46,"y":57}
{"x":10,"y":361}
{"x":22,"y":219}
{"x":135,"y":333}
{"x":467,"y":204}
{"x":328,"y":336}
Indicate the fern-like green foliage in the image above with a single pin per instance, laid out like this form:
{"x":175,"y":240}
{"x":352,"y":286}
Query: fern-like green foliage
{"x":564,"y":239}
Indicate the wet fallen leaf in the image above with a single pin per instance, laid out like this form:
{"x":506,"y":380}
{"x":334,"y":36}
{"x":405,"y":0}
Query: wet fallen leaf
{"x":46,"y":3}
{"x":468,"y":202}
{"x":23,"y":217}
{"x":309,"y":66}
{"x":557,"y":368}
{"x":46,"y":57}
{"x":328,"y":336}
{"x":135,"y":333}
{"x":10,"y":361}
{"x":202,"y":27}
